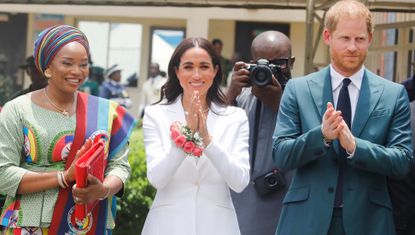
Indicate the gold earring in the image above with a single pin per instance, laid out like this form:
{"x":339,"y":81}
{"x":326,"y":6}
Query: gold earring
{"x":47,"y":73}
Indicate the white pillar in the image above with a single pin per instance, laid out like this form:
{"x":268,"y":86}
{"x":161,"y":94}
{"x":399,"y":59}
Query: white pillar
{"x":197,"y":25}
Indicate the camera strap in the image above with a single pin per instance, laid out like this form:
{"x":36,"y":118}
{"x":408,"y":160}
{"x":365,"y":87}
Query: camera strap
{"x":255,"y":134}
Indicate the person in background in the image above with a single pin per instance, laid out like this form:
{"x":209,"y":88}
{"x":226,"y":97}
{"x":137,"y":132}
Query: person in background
{"x":410,"y":84}
{"x":402,"y":192}
{"x":194,"y":178}
{"x":44,"y":131}
{"x":97,"y":74}
{"x":344,"y":131}
{"x":226,"y":64}
{"x":37,"y":79}
{"x":6,"y":83}
{"x":112,"y":89}
{"x":261,"y":105}
{"x":150,"y":93}
{"x":90,"y":85}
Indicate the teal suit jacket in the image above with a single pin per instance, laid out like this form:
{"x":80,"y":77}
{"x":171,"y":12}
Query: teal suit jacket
{"x":382,"y":130}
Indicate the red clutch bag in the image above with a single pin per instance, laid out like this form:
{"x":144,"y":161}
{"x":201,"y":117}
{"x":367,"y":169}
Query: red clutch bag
{"x":92,"y":162}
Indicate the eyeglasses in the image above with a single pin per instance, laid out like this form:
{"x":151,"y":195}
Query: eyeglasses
{"x":282,"y":63}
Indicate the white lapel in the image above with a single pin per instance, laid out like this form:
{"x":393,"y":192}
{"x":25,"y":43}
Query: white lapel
{"x":176,"y":110}
{"x":214,"y":126}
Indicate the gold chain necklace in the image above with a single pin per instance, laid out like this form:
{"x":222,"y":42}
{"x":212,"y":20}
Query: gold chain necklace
{"x":64,"y":112}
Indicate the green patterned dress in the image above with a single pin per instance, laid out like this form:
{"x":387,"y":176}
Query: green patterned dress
{"x":36,"y":139}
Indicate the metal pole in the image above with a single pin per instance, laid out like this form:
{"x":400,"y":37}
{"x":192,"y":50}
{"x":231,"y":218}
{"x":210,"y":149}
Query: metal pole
{"x":309,"y":39}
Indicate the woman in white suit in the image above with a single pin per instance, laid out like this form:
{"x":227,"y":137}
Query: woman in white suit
{"x":193,"y":196}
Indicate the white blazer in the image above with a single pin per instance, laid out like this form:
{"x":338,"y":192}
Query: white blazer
{"x":193,"y":196}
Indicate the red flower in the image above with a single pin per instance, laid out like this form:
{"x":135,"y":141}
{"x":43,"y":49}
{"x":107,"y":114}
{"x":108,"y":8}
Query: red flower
{"x":175,"y":126}
{"x":174,"y":134}
{"x":180,"y":140}
{"x":184,"y":138}
{"x":197,"y":151}
{"x":188,"y":147}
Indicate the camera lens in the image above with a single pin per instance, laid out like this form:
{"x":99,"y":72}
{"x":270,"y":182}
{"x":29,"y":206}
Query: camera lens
{"x":272,"y":181}
{"x":261,"y":75}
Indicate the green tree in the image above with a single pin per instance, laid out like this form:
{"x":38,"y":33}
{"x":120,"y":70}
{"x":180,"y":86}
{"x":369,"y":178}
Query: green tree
{"x":133,"y":207}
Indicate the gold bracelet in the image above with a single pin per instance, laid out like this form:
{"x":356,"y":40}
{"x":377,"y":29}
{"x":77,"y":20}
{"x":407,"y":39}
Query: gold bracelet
{"x":63,"y":179}
{"x":60,"y":181}
{"x":108,"y":192}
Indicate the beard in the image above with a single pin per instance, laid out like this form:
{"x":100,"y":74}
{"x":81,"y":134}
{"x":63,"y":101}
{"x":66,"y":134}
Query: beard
{"x":348,"y":64}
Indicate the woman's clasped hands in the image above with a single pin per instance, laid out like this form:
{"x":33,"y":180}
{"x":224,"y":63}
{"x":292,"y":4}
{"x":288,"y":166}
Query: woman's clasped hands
{"x":196,"y":118}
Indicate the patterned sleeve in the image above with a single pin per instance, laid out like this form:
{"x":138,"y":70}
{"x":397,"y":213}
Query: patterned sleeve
{"x":118,"y":165}
{"x":11,"y":142}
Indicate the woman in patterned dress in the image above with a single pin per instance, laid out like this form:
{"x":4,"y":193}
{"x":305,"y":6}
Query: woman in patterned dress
{"x":41,"y":133}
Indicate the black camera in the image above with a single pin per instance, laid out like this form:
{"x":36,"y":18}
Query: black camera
{"x":270,"y":182}
{"x":261,"y":73}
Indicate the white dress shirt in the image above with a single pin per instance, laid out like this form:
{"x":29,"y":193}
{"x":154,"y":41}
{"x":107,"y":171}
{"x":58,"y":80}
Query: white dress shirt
{"x":354,"y":87}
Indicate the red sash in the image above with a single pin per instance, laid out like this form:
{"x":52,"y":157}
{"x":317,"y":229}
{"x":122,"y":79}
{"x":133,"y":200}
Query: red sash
{"x":63,"y":220}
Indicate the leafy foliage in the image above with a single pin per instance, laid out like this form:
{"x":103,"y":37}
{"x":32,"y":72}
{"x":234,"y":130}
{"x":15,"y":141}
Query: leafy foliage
{"x":133,"y":207}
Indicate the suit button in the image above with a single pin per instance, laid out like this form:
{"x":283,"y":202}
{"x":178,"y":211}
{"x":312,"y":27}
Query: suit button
{"x":330,"y":189}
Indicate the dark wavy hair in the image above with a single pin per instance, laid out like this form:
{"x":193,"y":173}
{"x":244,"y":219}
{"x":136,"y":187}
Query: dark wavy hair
{"x":172,"y":89}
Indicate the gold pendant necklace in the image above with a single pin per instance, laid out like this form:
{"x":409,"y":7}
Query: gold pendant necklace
{"x":64,"y":112}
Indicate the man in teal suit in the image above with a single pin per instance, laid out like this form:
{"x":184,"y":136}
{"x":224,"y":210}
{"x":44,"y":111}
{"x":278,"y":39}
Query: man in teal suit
{"x":342,"y":158}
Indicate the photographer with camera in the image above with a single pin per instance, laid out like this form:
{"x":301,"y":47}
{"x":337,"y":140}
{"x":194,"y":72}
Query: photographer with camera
{"x":257,"y":88}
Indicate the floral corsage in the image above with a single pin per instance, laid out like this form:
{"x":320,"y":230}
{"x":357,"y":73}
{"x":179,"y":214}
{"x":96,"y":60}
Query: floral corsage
{"x":184,"y":138}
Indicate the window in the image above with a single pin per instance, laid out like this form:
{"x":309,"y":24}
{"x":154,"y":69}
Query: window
{"x":393,"y":47}
{"x":115,"y":43}
{"x":163,"y":43}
